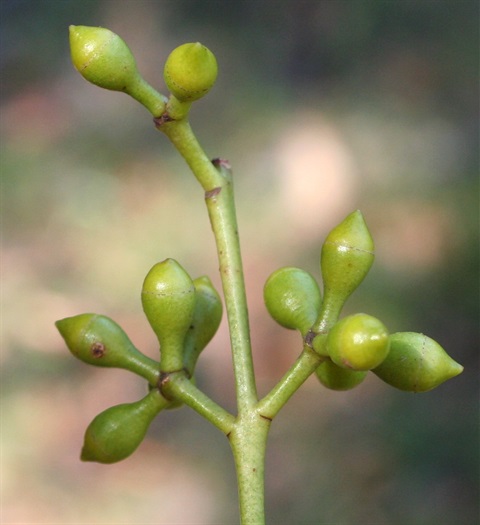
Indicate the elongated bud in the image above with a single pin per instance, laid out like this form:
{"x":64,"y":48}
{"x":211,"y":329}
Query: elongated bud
{"x":190,"y":71}
{"x":105,"y":60}
{"x":168,"y":298}
{"x":102,"y":57}
{"x":347,"y":255}
{"x":358,"y":342}
{"x":117,"y":432}
{"x":337,"y":378}
{"x":416,"y":363}
{"x":100,"y":341}
{"x":292,"y":298}
{"x":207,"y":316}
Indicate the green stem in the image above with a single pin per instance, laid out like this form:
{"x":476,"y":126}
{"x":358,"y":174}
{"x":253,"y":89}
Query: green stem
{"x":221,"y":209}
{"x":248,"y":441}
{"x":299,"y":372}
{"x":178,"y":386}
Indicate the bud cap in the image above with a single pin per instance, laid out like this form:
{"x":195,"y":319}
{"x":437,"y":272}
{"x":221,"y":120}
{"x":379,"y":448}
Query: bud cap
{"x":358,"y":342}
{"x":416,"y":363}
{"x":190,"y":71}
{"x":292,"y":298}
{"x":102,"y":58}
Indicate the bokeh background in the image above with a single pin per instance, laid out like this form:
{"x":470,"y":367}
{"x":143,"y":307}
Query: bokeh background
{"x":322,"y":107}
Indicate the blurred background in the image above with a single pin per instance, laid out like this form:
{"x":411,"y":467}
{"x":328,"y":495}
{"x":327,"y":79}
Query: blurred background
{"x":322,"y":107}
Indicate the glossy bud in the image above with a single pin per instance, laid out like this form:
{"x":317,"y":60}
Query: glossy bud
{"x":337,"y":378}
{"x":102,"y":57}
{"x":416,"y":363}
{"x":207,"y":316}
{"x":100,"y":341}
{"x":292,"y":298}
{"x":347,"y":255}
{"x":168,"y":298}
{"x":190,"y":71}
{"x":117,"y":432}
{"x":358,"y":342}
{"x":105,"y":60}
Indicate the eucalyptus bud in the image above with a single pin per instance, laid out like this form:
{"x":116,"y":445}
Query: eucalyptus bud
{"x":105,"y":60}
{"x":205,"y":322}
{"x":358,"y":342}
{"x":347,"y":255}
{"x":337,"y":378}
{"x":117,"y":432}
{"x":100,"y":341}
{"x":292,"y":298}
{"x":190,"y":71}
{"x":416,"y":363}
{"x":168,"y":298}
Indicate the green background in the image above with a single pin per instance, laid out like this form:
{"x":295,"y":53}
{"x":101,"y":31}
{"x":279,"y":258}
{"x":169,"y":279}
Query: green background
{"x":322,"y":107}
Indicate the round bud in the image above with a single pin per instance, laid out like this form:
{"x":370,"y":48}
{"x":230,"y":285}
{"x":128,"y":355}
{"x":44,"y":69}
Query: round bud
{"x":292,"y":298}
{"x":190,"y":71}
{"x":347,"y":255}
{"x":337,"y":378}
{"x":117,"y":432}
{"x":416,"y":363}
{"x":206,"y":320}
{"x":102,"y":57}
{"x":358,"y":342}
{"x":98,"y":340}
{"x":168,"y":298}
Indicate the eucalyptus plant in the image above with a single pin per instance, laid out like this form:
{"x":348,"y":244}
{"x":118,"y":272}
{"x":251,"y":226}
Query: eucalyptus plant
{"x":185,"y":313}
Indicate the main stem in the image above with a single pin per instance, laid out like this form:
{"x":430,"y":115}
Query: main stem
{"x":221,"y":209}
{"x":249,"y":432}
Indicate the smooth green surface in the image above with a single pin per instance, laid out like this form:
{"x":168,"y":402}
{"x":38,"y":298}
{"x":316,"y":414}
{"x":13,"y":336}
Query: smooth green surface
{"x":416,"y":363}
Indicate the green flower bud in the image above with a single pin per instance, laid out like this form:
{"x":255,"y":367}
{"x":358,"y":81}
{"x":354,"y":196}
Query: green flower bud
{"x":190,"y":71}
{"x":206,"y":320}
{"x":168,"y":298}
{"x":337,"y":378}
{"x":105,"y":60}
{"x":292,"y":298}
{"x":117,"y":432}
{"x":358,"y":342}
{"x":102,"y":57}
{"x":97,"y":340}
{"x":347,"y":255}
{"x":416,"y":363}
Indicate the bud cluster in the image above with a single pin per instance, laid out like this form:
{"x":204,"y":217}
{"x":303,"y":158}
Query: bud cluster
{"x":184,"y":315}
{"x":352,"y":346}
{"x":105,"y":60}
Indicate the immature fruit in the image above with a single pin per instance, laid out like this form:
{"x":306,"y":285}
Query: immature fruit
{"x":190,"y":71}
{"x":102,"y":57}
{"x":347,"y":255}
{"x":416,"y":363}
{"x":337,"y":378}
{"x":358,"y":342}
{"x":116,"y":433}
{"x":292,"y":298}
{"x":205,"y":322}
{"x":168,"y":298}
{"x":100,"y":341}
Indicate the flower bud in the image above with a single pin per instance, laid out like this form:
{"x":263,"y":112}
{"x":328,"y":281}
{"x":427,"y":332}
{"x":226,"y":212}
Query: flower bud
{"x":168,"y":298}
{"x":117,"y":432}
{"x":358,"y":342}
{"x":102,"y":57}
{"x":416,"y":363}
{"x":98,"y":340}
{"x":292,"y":298}
{"x":347,"y":255}
{"x":190,"y":71}
{"x":206,"y":320}
{"x":337,"y":378}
